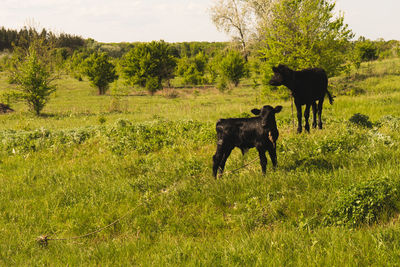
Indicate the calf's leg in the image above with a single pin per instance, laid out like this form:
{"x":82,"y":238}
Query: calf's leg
{"x":224,"y":158}
{"x":306,"y":117}
{"x":217,"y":158}
{"x":272,"y":155}
{"x":263,"y":159}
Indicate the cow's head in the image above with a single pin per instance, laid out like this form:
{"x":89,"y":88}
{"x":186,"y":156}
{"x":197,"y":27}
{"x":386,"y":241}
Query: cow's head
{"x":282,"y":74}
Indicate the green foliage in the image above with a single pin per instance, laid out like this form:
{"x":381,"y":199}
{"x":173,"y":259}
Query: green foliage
{"x":150,"y":137}
{"x":20,"y":142}
{"x":365,"y":203}
{"x":306,"y":34}
{"x":10,"y":38}
{"x":192,"y":69}
{"x":365,"y":50}
{"x":124,"y":136}
{"x":33,"y":75}
{"x":100,"y":71}
{"x":75,"y":64}
{"x":148,"y":61}
{"x":233,"y":67}
{"x":151,"y":167}
{"x":152,"y":84}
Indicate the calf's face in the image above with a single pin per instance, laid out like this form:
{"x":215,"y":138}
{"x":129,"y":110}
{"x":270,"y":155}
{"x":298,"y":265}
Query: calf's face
{"x":267,"y":113}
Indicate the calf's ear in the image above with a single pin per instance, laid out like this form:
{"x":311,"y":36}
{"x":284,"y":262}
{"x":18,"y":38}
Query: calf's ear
{"x":278,"y":109}
{"x":256,"y":111}
{"x":274,"y":69}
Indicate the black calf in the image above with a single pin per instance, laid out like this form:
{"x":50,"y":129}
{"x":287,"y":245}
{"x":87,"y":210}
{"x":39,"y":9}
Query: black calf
{"x":245,"y":133}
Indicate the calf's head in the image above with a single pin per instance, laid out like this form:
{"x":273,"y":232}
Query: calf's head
{"x":268,"y":122}
{"x":267,"y":114}
{"x":282,"y":74}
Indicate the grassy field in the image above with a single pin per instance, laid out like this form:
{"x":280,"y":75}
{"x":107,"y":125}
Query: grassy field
{"x":333,"y":200}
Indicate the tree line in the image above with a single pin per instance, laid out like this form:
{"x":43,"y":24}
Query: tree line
{"x":10,"y":38}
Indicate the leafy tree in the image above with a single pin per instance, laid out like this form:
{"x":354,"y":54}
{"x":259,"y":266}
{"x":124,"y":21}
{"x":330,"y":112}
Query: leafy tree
{"x":305,"y":33}
{"x":366,"y":50}
{"x":233,"y":67}
{"x":147,"y":61}
{"x":75,"y":64}
{"x":33,"y":74}
{"x":100,"y":71}
{"x":192,"y":69}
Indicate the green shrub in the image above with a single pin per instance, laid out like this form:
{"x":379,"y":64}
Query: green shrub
{"x":361,"y":120}
{"x":365,"y":203}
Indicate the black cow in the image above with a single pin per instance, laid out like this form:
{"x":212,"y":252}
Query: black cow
{"x":307,"y":86}
{"x":245,"y":133}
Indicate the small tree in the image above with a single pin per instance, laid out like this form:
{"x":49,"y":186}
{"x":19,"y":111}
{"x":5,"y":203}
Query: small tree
{"x":100,"y":71}
{"x":33,"y":74}
{"x":233,"y":67}
{"x":146,"y":62}
{"x":306,"y":33}
{"x":192,"y":69}
{"x":366,"y":50}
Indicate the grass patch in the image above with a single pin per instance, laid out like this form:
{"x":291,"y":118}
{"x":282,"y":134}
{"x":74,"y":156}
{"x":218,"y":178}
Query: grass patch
{"x":333,"y":200}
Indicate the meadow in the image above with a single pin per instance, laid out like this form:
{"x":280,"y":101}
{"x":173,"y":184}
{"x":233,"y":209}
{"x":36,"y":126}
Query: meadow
{"x":90,"y":160}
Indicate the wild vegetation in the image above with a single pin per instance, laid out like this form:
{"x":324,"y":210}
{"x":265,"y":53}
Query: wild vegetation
{"x":332,"y":200}
{"x":114,"y":164}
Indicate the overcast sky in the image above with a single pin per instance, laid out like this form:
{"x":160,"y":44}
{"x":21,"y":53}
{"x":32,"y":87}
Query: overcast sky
{"x":170,"y":20}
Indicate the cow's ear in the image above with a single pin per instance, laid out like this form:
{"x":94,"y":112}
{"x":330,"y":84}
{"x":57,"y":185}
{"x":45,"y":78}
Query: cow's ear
{"x":278,"y":109}
{"x":274,"y":69}
{"x":256,"y":111}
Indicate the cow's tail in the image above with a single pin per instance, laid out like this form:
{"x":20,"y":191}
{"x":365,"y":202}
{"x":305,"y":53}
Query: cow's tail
{"x":329,"y":97}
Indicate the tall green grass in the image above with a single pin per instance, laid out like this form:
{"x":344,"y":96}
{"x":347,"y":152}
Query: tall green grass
{"x":81,"y":167}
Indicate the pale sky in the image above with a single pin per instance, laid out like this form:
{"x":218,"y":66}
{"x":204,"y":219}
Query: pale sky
{"x":170,"y":20}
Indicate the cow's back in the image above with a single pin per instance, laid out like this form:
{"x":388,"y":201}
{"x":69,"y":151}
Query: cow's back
{"x":310,"y":85}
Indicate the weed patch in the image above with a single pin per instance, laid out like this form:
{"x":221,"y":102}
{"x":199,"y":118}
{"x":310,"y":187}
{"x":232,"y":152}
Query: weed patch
{"x":365,"y":203}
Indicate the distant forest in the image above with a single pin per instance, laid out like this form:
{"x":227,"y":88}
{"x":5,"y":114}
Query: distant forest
{"x":10,"y":38}
{"x":21,"y":38}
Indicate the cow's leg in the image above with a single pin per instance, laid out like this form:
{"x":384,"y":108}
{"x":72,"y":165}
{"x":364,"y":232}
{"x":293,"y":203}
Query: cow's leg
{"x":217,"y":158}
{"x":320,"y":103}
{"x":272,"y":155}
{"x":306,"y":117}
{"x":263,"y":159}
{"x":299,"y":129}
{"x":314,"y":109}
{"x":228,"y":151}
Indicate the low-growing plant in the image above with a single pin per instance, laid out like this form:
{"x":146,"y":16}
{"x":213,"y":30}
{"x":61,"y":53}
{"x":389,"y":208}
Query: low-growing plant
{"x":365,"y":203}
{"x":361,"y":120}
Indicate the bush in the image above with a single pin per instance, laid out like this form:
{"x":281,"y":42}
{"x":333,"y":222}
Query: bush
{"x":366,"y":50}
{"x":366,"y":202}
{"x":233,"y":67}
{"x":361,"y":120}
